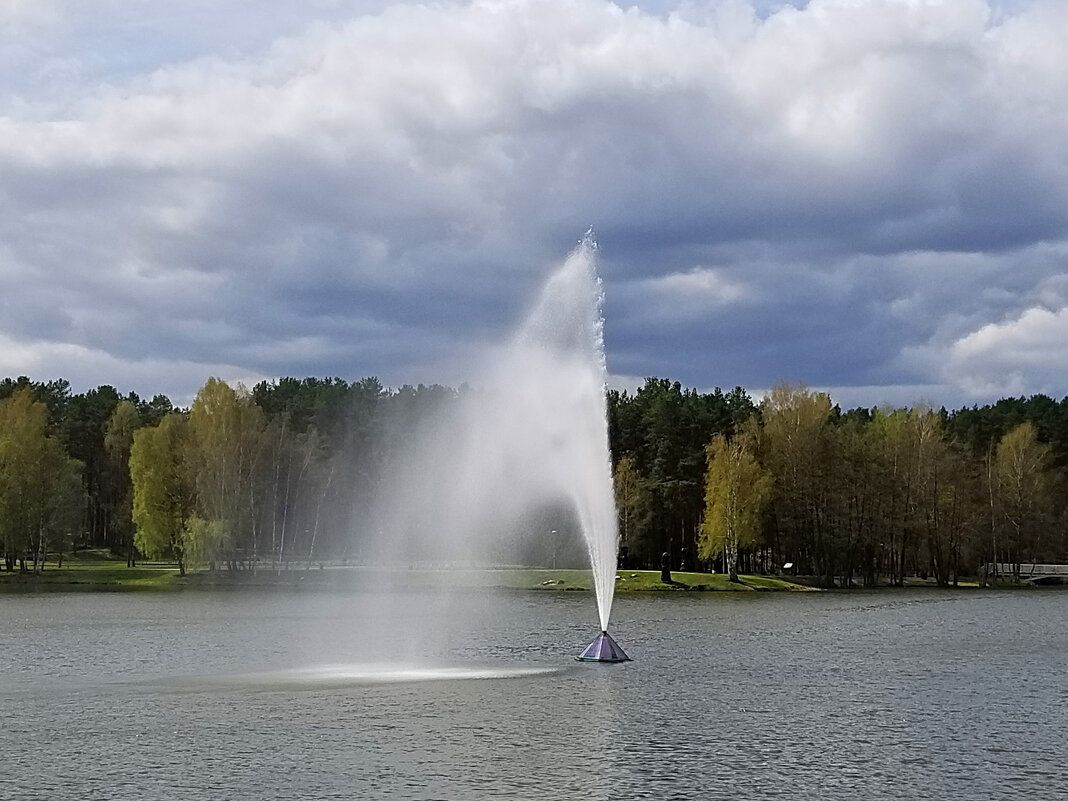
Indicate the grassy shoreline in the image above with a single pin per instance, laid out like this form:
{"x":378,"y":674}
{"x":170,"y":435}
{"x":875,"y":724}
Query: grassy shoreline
{"x":94,"y":570}
{"x":118,"y":577}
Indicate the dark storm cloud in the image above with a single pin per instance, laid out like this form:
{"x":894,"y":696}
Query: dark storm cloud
{"x":867,"y":196}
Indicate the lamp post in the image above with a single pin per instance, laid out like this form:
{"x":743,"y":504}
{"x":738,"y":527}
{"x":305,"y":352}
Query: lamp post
{"x":553,"y":532}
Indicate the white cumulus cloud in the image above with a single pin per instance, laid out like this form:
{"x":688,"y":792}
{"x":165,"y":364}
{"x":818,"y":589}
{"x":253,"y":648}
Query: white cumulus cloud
{"x":377,"y":187}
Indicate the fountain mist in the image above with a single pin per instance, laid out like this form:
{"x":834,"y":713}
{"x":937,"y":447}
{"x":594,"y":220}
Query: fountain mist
{"x":533,"y":433}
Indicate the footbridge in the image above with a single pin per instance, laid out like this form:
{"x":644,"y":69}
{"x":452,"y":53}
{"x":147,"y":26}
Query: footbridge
{"x":1033,"y":572}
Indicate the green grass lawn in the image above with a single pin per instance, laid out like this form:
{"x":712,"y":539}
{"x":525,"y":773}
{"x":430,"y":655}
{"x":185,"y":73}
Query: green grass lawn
{"x":94,"y":568}
{"x":97,"y":569}
{"x":627,"y":580}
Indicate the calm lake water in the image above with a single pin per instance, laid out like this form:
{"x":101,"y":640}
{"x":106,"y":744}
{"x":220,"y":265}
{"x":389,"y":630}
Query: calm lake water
{"x":312,"y":695}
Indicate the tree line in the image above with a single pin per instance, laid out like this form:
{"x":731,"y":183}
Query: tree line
{"x":291,"y":468}
{"x":854,"y":497}
{"x":285,"y":471}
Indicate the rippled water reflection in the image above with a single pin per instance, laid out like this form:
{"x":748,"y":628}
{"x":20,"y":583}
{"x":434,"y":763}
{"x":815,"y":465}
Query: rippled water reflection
{"x":247,"y":695}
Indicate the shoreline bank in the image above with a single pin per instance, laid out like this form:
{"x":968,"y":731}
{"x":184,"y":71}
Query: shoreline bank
{"x":115,"y":576}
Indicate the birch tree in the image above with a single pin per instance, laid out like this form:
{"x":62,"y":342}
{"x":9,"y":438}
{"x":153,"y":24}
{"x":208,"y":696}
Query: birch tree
{"x":228,"y":443}
{"x":1022,"y":469}
{"x":737,"y":490}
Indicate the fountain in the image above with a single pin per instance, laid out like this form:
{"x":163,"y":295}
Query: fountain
{"x":603,"y":649}
{"x":592,"y":493}
{"x":532,"y":432}
{"x":567,"y":329}
{"x":569,"y":325}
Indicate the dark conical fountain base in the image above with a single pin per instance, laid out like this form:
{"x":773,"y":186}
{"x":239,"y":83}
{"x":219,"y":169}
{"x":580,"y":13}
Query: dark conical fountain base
{"x":603,"y":649}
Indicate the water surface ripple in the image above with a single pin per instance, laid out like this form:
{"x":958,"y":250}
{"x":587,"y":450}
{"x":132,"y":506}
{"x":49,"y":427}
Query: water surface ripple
{"x":325,"y":695}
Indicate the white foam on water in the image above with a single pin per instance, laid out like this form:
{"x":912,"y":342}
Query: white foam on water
{"x":339,"y":676}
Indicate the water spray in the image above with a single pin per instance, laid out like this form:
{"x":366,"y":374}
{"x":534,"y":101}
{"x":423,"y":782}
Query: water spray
{"x":596,"y":504}
{"x":533,"y":433}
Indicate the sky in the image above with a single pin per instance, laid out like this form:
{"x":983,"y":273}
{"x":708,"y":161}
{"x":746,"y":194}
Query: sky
{"x":868,"y":197}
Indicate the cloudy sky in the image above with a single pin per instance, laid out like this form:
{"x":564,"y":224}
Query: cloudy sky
{"x":865,"y":196}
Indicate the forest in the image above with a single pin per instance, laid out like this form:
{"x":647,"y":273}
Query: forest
{"x":289,"y":471}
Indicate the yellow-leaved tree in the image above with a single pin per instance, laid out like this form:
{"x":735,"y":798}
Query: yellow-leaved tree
{"x":1023,"y":479}
{"x":737,"y":490}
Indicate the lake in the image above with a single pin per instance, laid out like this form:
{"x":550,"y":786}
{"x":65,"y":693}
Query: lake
{"x":321,"y":694}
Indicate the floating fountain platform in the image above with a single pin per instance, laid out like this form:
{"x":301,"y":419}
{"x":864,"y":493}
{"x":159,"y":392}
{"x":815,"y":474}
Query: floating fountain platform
{"x":603,"y":649}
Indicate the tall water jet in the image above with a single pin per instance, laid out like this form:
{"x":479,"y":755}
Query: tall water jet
{"x":530,"y":432}
{"x":567,"y":329}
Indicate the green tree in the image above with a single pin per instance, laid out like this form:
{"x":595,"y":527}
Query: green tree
{"x":737,"y":490}
{"x":62,"y":502}
{"x":664,"y":428}
{"x":795,"y":447}
{"x":118,"y":440}
{"x":40,"y":485}
{"x":163,"y":496}
{"x":82,"y":427}
{"x":855,"y":499}
{"x":204,"y":540}
{"x":228,"y":443}
{"x":151,"y":412}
